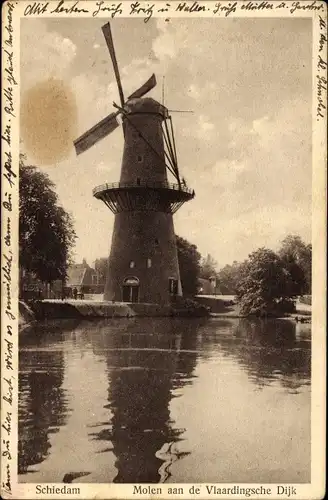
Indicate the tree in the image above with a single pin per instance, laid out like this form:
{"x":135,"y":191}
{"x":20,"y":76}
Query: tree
{"x":297,"y":284}
{"x":189,"y":264}
{"x":229,"y":277}
{"x":265,"y":286}
{"x":46,"y":233}
{"x":208,"y":267}
{"x":297,"y":256}
{"x":101,"y":266}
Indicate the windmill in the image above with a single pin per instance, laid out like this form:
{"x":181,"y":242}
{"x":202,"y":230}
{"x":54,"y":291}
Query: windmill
{"x":143,"y":262}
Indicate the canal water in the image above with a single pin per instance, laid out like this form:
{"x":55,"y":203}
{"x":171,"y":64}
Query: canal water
{"x":161,"y":399}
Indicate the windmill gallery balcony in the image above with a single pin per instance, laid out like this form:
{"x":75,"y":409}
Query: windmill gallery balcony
{"x":154,"y":196}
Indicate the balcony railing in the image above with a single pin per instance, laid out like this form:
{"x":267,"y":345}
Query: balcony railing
{"x":135,"y":185}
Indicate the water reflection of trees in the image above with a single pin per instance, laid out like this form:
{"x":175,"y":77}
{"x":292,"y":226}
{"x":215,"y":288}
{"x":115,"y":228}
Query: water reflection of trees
{"x":48,"y":332}
{"x":146,"y":362}
{"x":268,"y":350}
{"x":42,"y":406}
{"x":41,"y":409}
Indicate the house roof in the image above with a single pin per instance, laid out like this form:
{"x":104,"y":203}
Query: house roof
{"x":75,"y":274}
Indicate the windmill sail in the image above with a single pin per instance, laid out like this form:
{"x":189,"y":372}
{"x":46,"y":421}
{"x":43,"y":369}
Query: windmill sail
{"x":110,"y":44}
{"x":146,"y":87}
{"x":96,"y":133}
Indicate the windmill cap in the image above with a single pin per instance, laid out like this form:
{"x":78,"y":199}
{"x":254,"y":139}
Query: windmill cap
{"x":145,"y":105}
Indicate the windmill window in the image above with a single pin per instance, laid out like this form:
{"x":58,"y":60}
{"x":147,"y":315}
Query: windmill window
{"x":132,"y":264}
{"x":148,"y":263}
{"x":138,"y":181}
{"x":140,"y":158}
{"x":156,"y":241}
{"x":173,"y":286}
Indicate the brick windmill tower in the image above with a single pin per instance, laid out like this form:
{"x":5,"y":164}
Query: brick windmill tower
{"x":143,"y":263}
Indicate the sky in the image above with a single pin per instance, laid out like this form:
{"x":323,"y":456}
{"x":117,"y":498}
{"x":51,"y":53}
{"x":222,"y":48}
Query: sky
{"x":245,"y":149}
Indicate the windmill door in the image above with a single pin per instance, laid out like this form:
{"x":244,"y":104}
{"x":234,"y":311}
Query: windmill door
{"x":131,"y":290}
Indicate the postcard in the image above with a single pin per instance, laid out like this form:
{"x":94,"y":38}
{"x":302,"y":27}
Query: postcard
{"x":163,"y":249}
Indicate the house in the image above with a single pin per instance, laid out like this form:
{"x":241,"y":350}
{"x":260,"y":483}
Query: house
{"x":208,"y":286}
{"x":84,"y":278}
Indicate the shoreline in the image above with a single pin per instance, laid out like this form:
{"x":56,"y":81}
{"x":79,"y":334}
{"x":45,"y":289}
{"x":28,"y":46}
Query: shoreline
{"x":93,"y":310}
{"x":303,"y":319}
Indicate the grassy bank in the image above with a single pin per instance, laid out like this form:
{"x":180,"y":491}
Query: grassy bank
{"x":225,"y":306}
